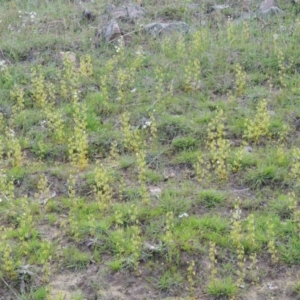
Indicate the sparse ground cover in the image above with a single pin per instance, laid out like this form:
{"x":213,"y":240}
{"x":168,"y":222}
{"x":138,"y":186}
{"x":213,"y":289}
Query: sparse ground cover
{"x":162,"y":168}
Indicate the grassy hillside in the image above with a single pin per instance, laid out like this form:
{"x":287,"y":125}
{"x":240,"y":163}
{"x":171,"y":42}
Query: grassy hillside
{"x":152,"y":167}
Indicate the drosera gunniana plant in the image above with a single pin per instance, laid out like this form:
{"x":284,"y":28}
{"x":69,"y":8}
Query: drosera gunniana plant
{"x":103,"y":187}
{"x":191,"y":277}
{"x":78,"y":143}
{"x":258,"y":127}
{"x":236,"y":236}
{"x":240,"y":80}
{"x":218,"y":146}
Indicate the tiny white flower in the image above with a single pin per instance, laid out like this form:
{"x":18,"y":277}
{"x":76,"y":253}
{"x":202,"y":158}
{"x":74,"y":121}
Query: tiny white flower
{"x":12,"y":133}
{"x":238,"y":211}
{"x":184,"y":215}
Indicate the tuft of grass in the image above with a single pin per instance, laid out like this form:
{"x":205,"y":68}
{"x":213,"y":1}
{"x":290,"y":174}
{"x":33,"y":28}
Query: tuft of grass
{"x":264,"y":175}
{"x":75,"y":259}
{"x":184,"y":143}
{"x":211,"y":198}
{"x":222,"y":288}
{"x":169,"y":279}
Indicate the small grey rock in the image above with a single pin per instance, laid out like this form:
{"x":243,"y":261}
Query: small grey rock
{"x":153,"y":28}
{"x":128,"y":13}
{"x":119,"y":13}
{"x":135,"y":12}
{"x":248,"y":149}
{"x":112,"y":31}
{"x":268,"y":7}
{"x":156,"y":29}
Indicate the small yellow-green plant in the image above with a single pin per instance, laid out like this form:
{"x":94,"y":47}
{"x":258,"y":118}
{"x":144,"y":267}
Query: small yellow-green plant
{"x":191,"y":280}
{"x":253,"y":244}
{"x":78,"y":143}
{"x":168,"y":238}
{"x":199,"y":41}
{"x":237,"y":162}
{"x":295,"y":212}
{"x":180,"y":48}
{"x":51,"y":92}
{"x":74,"y":226}
{"x":136,"y":247}
{"x":271,"y":243}
{"x":86,"y":67}
{"x":8,"y":265}
{"x":230,"y":35}
{"x":258,"y":127}
{"x":131,"y":137}
{"x":236,"y":236}
{"x":246,"y":31}
{"x":26,"y":222}
{"x":38,"y":90}
{"x":240,"y":80}
{"x":153,"y":127}
{"x":200,"y":168}
{"x":141,"y":162}
{"x":92,"y":225}
{"x":120,"y":51}
{"x":7,"y":188}
{"x":213,"y":260}
{"x":231,"y":97}
{"x":192,"y":75}
{"x":43,"y":189}
{"x":2,"y":123}
{"x":55,"y":123}
{"x":282,"y":68}
{"x":218,"y":146}
{"x":71,"y":188}
{"x":122,"y":80}
{"x":17,"y":96}
{"x":69,"y":80}
{"x":104,"y":92}
{"x":139,"y":58}
{"x":295,"y":169}
{"x":45,"y":259}
{"x":102,"y":189}
{"x":159,"y":83}
{"x":114,"y":154}
{"x":120,"y":241}
{"x":14,"y":151}
{"x":136,"y":243}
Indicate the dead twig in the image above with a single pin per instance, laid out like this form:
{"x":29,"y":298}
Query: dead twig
{"x":11,"y":289}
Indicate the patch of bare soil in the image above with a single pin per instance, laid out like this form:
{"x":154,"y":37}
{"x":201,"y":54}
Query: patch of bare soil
{"x":64,"y":286}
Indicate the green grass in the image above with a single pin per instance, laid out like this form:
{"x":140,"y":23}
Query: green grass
{"x":78,"y":176}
